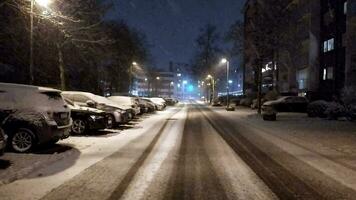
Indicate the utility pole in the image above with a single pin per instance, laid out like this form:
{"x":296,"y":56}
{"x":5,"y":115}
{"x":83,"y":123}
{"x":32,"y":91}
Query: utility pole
{"x":31,"y":43}
{"x":227,"y":84}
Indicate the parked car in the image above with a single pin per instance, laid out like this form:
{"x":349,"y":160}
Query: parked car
{"x":115,"y":114}
{"x":86,"y":119}
{"x":3,"y":140}
{"x":143,"y":105}
{"x":149,"y":104}
{"x":34,"y":116}
{"x":161,"y":103}
{"x":283,"y":104}
{"x":126,"y":102}
{"x":170,"y":101}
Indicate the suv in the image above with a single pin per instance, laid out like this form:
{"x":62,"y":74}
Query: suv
{"x":115,"y":115}
{"x":33,"y":115}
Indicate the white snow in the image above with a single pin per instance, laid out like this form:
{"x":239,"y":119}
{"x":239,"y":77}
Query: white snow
{"x":328,"y":146}
{"x":171,"y":136}
{"x":53,"y":170}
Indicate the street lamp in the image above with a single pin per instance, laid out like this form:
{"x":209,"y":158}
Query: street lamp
{"x":43,"y":3}
{"x":131,"y":75}
{"x":170,"y":88}
{"x":212,"y":81}
{"x":225,"y":61}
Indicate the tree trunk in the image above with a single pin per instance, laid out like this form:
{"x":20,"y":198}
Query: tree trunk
{"x":259,"y":93}
{"x":61,"y":67}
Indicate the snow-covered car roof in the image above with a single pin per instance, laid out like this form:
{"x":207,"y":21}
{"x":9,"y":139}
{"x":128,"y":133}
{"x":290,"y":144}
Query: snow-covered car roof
{"x":121,"y":99}
{"x":13,"y":87}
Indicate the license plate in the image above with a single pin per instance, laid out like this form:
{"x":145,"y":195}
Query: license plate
{"x":63,"y":115}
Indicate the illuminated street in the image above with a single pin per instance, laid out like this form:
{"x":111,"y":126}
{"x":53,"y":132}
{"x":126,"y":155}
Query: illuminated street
{"x":194,"y":152}
{"x":177,"y":100}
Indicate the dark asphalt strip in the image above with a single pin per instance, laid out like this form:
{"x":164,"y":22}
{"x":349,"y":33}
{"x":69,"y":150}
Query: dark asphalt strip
{"x":193,"y":176}
{"x":281,"y":181}
{"x":79,"y":187}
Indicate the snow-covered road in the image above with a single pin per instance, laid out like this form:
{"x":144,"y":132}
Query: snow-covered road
{"x":193,"y":152}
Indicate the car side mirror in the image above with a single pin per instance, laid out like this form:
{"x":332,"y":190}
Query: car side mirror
{"x":90,"y":103}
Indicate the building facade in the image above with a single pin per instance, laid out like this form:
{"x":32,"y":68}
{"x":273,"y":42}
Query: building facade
{"x":317,"y":54}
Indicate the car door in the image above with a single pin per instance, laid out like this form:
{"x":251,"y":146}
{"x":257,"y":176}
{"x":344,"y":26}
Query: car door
{"x":289,"y":105}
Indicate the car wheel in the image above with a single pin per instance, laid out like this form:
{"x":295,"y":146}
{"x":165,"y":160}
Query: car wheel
{"x":22,"y":140}
{"x":79,"y":126}
{"x":110,"y":123}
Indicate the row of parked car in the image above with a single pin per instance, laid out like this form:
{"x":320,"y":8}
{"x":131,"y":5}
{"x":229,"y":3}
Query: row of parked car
{"x":32,"y":116}
{"x":320,"y":108}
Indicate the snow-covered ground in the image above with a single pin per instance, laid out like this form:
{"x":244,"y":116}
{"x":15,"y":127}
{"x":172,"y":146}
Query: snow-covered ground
{"x":324,"y":145}
{"x":50,"y":167}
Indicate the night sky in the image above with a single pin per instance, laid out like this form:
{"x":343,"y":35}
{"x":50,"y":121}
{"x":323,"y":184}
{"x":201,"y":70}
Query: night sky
{"x":171,"y":26}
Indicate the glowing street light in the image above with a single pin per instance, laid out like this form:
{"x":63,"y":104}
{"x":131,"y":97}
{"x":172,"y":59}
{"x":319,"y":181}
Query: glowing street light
{"x":225,"y":61}
{"x":43,"y":3}
{"x":134,"y":63}
{"x":158,"y":78}
{"x":185,"y":82}
{"x":230,"y":81}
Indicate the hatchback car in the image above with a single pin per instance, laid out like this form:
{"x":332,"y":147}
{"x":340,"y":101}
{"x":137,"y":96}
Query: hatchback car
{"x":35,"y":115}
{"x":116,"y":115}
{"x":86,"y":119}
{"x":284,"y":104}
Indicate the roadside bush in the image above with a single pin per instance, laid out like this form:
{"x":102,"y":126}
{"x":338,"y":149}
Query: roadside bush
{"x":335,"y":110}
{"x":317,"y":108}
{"x":349,"y":95}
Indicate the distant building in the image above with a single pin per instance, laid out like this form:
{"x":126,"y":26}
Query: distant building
{"x":163,"y":84}
{"x":321,"y":58}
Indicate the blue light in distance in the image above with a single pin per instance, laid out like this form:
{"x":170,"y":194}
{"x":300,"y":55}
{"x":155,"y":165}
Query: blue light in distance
{"x":190,"y":88}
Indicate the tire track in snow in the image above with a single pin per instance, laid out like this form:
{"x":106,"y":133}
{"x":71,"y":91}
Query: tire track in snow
{"x":281,"y":181}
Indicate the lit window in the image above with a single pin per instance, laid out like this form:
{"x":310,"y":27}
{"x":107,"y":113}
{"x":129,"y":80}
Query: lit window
{"x":328,"y":73}
{"x":331,"y":44}
{"x":345,"y":7}
{"x":326,"y":46}
{"x":324,"y":74}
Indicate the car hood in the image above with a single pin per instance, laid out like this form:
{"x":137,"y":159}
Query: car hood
{"x":87,"y":109}
{"x":271,"y":103}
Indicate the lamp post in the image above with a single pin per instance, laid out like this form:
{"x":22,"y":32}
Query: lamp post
{"x":131,"y":75}
{"x":212,"y":84}
{"x":43,"y":3}
{"x":170,"y":89}
{"x":225,"y":61}
{"x":157,"y":85}
{"x":184,"y":83}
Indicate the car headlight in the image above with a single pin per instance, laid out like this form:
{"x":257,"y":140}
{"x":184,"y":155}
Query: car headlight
{"x":49,"y":116}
